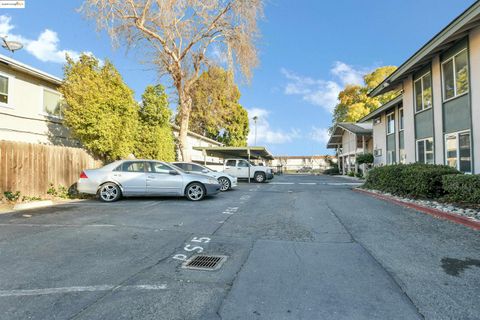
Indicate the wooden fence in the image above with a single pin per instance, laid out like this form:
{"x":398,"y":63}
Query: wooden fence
{"x":31,"y":168}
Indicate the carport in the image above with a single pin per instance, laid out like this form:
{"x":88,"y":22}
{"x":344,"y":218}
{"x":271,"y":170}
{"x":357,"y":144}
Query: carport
{"x":248,"y":153}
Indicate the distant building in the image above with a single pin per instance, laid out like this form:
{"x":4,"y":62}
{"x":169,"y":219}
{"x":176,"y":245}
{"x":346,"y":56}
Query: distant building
{"x":298,"y":163}
{"x":349,"y":140}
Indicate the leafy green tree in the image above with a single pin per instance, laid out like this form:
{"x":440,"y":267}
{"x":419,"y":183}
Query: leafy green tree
{"x":354,"y":102}
{"x":216,"y":111}
{"x":101,"y":111}
{"x":154,"y":138}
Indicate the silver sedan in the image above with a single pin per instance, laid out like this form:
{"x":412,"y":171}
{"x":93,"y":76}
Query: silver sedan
{"x":130,"y":178}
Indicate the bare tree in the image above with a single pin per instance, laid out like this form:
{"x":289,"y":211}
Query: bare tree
{"x":183,"y":34}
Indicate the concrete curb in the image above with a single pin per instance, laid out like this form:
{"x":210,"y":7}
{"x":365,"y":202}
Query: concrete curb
{"x":33,"y":205}
{"x":427,"y":210}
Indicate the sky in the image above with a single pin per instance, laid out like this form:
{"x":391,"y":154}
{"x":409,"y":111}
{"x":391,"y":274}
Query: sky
{"x":309,"y":50}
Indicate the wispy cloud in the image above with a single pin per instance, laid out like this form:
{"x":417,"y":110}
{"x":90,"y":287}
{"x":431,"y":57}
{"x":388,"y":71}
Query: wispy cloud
{"x":320,"y":135}
{"x":45,"y":48}
{"x":321,"y":92}
{"x":265,"y":134}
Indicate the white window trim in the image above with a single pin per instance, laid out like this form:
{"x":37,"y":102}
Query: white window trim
{"x":42,"y":103}
{"x":415,"y":93}
{"x":457,"y":134}
{"x":400,"y":129}
{"x":424,"y":148}
{"x":452,"y":58}
{"x":387,"y":122}
{"x":11,"y":81}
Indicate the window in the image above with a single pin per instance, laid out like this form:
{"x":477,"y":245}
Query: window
{"x":423,"y":92}
{"x":390,"y":157}
{"x":458,"y":151}
{"x":391,"y":123}
{"x":455,"y":75}
{"x":158,"y":167}
{"x":195,"y":168}
{"x":243,"y":163}
{"x":400,"y":120}
{"x":230,"y":163}
{"x":181,"y":166}
{"x":425,"y":151}
{"x":53,"y":103}
{"x":133,"y":166}
{"x":3,"y":90}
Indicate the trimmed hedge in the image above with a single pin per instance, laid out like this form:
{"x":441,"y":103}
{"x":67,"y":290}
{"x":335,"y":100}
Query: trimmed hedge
{"x":462,"y":188}
{"x":332,"y":171}
{"x":410,"y":180}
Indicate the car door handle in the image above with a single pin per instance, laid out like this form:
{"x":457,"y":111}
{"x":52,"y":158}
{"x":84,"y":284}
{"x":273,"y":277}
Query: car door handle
{"x":117,"y":175}
{"x":151,"y":177}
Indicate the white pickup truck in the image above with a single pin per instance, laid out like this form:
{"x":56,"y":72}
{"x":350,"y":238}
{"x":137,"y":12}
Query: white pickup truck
{"x":241,"y":169}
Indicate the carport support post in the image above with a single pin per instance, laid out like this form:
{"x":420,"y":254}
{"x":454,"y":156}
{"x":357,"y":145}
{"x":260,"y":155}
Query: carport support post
{"x":248,"y":153}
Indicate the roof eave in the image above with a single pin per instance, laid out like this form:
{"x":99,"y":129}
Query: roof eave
{"x":433,"y":43}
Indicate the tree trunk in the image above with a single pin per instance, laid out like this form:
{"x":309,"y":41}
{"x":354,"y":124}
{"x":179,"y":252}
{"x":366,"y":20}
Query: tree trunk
{"x":184,"y":110}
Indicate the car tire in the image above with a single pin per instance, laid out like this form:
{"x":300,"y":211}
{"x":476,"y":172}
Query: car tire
{"x":259,"y":177}
{"x":195,"y":191}
{"x":109,"y":192}
{"x":225,"y":183}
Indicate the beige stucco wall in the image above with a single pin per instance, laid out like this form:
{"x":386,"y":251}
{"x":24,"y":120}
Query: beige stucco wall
{"x":409,"y":124}
{"x":349,"y":143}
{"x":380,"y":141}
{"x":475,"y":94}
{"x":22,"y":119}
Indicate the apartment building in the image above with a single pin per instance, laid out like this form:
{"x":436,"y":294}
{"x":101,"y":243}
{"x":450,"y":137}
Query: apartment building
{"x":435,"y":119}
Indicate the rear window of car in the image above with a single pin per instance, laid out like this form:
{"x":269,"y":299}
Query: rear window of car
{"x":230,"y":163}
{"x":180,"y":165}
{"x":136,"y":166}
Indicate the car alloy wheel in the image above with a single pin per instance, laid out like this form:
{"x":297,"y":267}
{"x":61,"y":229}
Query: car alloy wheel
{"x":109,"y":192}
{"x":224,"y":184}
{"x":259,"y":177}
{"x":195,"y":192}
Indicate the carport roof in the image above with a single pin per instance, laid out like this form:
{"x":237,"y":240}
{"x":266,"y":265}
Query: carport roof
{"x":237,"y":152}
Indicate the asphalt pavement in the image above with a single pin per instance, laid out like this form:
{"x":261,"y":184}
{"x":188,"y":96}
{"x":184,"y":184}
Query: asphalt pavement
{"x":298,"y":247}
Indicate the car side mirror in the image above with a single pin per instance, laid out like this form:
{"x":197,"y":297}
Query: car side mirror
{"x":205,"y":171}
{"x":173,"y":172}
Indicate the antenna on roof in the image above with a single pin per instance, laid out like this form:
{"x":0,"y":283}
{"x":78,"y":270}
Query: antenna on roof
{"x":11,"y":46}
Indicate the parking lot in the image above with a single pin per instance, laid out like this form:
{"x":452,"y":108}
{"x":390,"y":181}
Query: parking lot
{"x":298,"y":247}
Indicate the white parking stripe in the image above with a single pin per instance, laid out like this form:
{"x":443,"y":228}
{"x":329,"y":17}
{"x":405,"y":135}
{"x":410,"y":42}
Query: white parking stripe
{"x":281,"y":183}
{"x":55,"y":225}
{"x":37,"y":292}
{"x":308,"y":183}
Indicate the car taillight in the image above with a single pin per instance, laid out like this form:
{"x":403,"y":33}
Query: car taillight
{"x":83,"y":175}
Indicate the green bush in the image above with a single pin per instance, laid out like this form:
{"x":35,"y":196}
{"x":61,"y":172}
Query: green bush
{"x":12,"y":196}
{"x":332,"y":171}
{"x":351,"y":174}
{"x":462,"y":188}
{"x":366,"y":158}
{"x":411,"y":180}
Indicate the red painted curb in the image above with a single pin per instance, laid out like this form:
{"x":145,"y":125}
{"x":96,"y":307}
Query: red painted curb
{"x":430,"y":211}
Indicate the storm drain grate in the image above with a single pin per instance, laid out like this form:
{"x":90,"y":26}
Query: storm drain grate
{"x":204,"y":262}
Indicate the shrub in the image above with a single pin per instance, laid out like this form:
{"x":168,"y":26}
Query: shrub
{"x":462,"y":188}
{"x":12,"y":196}
{"x":351,"y":174}
{"x":411,"y":180}
{"x":332,"y":171}
{"x":366,"y":158}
